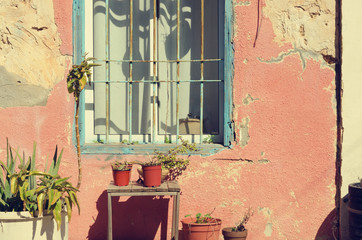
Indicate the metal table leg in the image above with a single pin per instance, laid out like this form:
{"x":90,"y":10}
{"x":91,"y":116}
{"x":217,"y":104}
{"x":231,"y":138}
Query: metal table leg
{"x":109,"y":216}
{"x":175,"y":214}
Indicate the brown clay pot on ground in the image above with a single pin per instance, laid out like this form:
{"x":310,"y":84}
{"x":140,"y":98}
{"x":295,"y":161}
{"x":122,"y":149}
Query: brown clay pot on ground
{"x":151,"y":176}
{"x":121,"y":177}
{"x":201,"y":231}
{"x":230,"y":235}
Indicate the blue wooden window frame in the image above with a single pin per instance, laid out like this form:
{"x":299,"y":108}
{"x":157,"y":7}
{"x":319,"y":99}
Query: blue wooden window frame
{"x":79,"y":49}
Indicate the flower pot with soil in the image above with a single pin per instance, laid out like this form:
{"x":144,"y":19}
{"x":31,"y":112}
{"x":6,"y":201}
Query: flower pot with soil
{"x":239,"y":232}
{"x":121,"y":173}
{"x":151,"y":175}
{"x":201,"y":228}
{"x":34,"y":204}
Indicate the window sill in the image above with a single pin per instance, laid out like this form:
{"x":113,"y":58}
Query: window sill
{"x":142,"y":149}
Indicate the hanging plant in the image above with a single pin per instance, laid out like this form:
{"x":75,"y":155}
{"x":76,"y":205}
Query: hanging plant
{"x":77,"y":79}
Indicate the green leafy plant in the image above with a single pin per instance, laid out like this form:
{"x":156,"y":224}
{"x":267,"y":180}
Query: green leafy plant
{"x":27,"y":189}
{"x":200,"y":218}
{"x":240,"y":226}
{"x":206,"y":218}
{"x":121,"y":166}
{"x":209,"y":139}
{"x":77,"y":79}
{"x":175,"y":159}
{"x":172,"y":159}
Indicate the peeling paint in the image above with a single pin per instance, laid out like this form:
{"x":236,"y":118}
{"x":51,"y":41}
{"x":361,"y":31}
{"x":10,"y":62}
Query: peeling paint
{"x":267,"y":213}
{"x":223,"y":204}
{"x":297,"y":224}
{"x":233,"y":171}
{"x":292,"y":194}
{"x":237,"y":202}
{"x":244,"y":131}
{"x":296,"y":22}
{"x":30,"y":50}
{"x":241,"y":3}
{"x":249,"y":99}
{"x":263,"y":161}
{"x":205,"y":164}
{"x":268,"y":229}
{"x":303,"y":54}
{"x":194,"y":174}
{"x":235,"y":5}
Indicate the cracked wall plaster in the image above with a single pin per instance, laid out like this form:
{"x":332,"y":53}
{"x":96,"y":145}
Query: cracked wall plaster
{"x":244,"y":131}
{"x":30,"y":58}
{"x":296,"y":22}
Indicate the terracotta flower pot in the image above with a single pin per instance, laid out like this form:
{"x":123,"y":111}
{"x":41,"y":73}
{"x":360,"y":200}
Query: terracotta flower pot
{"x":201,"y":231}
{"x":121,"y":177}
{"x":151,"y":176}
{"x":230,"y":235}
{"x":164,"y":173}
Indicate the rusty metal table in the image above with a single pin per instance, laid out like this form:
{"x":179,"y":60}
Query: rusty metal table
{"x":134,"y":189}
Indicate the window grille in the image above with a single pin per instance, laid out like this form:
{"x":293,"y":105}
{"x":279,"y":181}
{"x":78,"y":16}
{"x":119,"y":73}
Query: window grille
{"x":162,"y":70}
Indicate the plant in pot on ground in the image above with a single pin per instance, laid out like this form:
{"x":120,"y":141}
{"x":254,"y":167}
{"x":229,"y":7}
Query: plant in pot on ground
{"x":27,"y":195}
{"x":238,"y":232}
{"x":121,"y":172}
{"x":201,"y":227}
{"x":168,"y":165}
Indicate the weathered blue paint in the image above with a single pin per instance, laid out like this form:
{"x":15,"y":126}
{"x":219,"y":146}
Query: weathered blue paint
{"x":78,"y":53}
{"x":228,"y":73}
{"x":143,"y":149}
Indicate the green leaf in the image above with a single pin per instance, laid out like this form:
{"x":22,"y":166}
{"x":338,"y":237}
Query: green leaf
{"x":3,"y":202}
{"x":74,"y":199}
{"x":60,"y":181}
{"x":22,"y":190}
{"x":70,"y":87}
{"x":68,"y":204}
{"x":32,"y":168}
{"x":50,"y":197}
{"x":14,"y":185}
{"x":82,"y":82}
{"x":57,"y":214}
{"x":30,"y":193}
{"x":54,"y":167}
{"x":56,"y":197}
{"x":40,"y":200}
{"x":39,"y":189}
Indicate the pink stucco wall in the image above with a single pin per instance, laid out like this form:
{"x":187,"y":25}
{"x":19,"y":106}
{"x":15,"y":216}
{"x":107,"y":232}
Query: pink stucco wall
{"x":291,"y":127}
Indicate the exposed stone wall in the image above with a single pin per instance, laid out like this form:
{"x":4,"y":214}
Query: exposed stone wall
{"x":308,"y":25}
{"x":30,"y":59}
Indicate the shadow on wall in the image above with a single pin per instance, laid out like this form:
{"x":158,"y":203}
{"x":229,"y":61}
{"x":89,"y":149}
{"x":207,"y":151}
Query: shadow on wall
{"x":137,"y":218}
{"x":328,"y":230}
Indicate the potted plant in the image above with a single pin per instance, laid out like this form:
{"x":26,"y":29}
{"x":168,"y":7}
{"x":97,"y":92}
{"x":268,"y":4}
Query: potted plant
{"x":151,"y":172}
{"x":170,"y":162}
{"x":202,"y":227}
{"x":121,"y":172}
{"x":354,"y":208}
{"x":238,"y":232}
{"x":34,"y":201}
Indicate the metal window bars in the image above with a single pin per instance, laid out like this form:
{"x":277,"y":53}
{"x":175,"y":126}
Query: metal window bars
{"x":154,"y":62}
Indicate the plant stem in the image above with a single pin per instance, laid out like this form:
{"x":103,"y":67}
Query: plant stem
{"x":78,"y":142}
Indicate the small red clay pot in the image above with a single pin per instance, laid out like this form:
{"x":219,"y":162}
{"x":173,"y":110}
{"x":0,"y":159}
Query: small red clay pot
{"x":151,"y":176}
{"x":121,"y":177}
{"x":201,"y":231}
{"x":230,"y":235}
